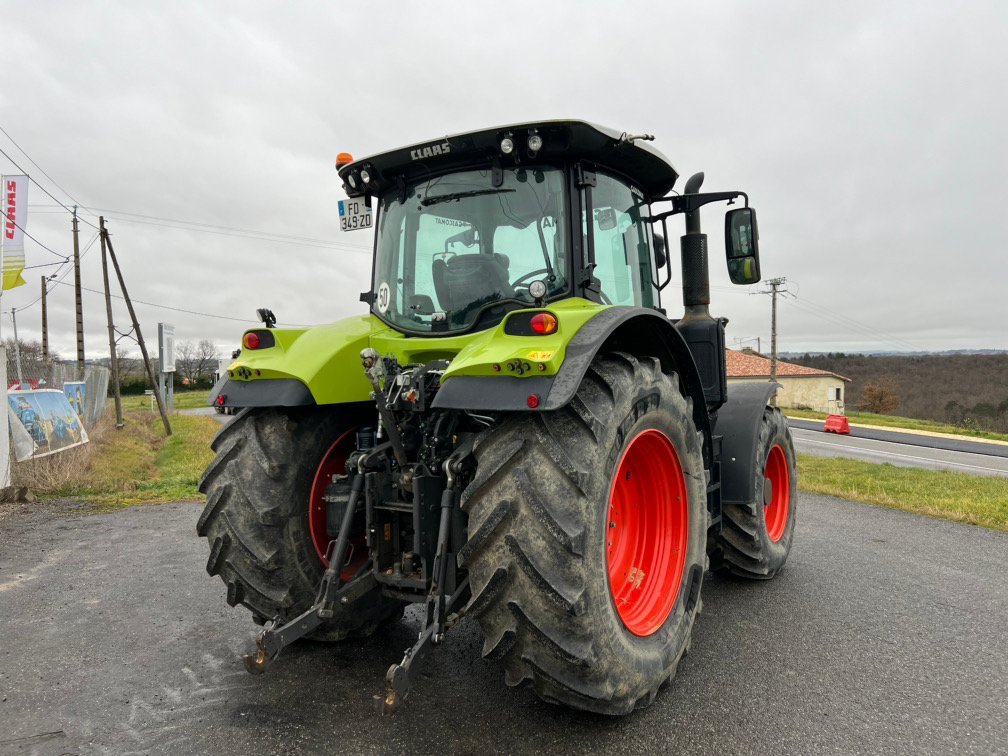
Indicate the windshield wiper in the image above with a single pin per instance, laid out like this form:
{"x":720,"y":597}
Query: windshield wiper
{"x":428,"y":201}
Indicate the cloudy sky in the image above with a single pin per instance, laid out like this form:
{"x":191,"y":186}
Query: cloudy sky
{"x":871,"y":138}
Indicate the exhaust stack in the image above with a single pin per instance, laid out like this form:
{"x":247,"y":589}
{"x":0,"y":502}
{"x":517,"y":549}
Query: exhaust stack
{"x":695,"y":272}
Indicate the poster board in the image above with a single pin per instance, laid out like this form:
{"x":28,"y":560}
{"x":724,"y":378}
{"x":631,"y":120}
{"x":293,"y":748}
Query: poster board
{"x":166,"y":347}
{"x":42,"y":423}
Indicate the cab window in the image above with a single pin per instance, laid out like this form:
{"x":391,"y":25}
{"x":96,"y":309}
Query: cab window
{"x":622,"y":236}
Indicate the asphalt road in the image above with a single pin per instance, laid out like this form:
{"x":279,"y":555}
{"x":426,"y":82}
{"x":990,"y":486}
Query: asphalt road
{"x":902,"y":449}
{"x":886,"y":632}
{"x":969,"y":446}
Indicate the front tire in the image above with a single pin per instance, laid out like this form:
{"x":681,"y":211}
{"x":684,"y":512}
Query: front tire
{"x":256,"y":520}
{"x":585,"y":568}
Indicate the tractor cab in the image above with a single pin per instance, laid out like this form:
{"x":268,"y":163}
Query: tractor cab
{"x":477,"y":225}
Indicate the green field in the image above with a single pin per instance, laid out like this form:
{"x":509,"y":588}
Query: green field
{"x":951,"y":495}
{"x":138,"y":465}
{"x":907,"y":423}
{"x":183,"y":400}
{"x":134,"y":465}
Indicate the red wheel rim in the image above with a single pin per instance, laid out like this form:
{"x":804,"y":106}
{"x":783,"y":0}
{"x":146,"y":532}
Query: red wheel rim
{"x":647,"y":532}
{"x":776,"y":509}
{"x":333,"y":463}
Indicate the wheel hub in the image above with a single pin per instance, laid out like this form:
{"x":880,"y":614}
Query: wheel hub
{"x":776,"y":493}
{"x":647,"y":532}
{"x":333,"y":463}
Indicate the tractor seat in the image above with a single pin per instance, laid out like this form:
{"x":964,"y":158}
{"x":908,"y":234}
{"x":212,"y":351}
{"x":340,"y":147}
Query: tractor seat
{"x":464,"y":279}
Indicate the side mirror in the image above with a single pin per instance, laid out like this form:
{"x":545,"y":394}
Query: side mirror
{"x":660,"y":257}
{"x":742,"y":245}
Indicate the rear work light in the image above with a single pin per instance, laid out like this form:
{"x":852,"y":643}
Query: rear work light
{"x":543,"y":323}
{"x":251,"y":340}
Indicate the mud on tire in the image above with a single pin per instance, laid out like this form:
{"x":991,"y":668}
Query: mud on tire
{"x":747,"y":547}
{"x":538,"y":520}
{"x":256,"y":517}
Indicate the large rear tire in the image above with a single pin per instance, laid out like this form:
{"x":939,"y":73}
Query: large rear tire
{"x":756,"y":538}
{"x":587,"y":545}
{"x":256,"y":519}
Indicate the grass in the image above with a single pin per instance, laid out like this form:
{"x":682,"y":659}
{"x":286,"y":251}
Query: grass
{"x":950,"y":495}
{"x":138,"y":465}
{"x":183,"y":400}
{"x":906,"y":423}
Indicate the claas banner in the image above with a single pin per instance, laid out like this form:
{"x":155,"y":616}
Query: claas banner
{"x":15,"y":215}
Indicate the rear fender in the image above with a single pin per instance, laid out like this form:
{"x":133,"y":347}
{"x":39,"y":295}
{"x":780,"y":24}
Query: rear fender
{"x":635,"y":330}
{"x":641,"y":332}
{"x":738,"y":423}
{"x":299,"y":367}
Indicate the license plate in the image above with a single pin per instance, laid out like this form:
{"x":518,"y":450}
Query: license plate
{"x":354,"y":215}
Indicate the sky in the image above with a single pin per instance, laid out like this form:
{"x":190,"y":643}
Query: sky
{"x":870,"y":137}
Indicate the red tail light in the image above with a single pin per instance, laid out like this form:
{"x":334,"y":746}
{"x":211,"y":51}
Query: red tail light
{"x":543,"y":323}
{"x":251,"y":340}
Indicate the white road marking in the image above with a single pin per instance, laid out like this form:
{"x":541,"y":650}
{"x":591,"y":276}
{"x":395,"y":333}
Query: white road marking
{"x":874,"y":451}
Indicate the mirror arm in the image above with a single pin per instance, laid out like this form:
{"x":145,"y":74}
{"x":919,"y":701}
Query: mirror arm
{"x":688,"y":203}
{"x":668,"y":259}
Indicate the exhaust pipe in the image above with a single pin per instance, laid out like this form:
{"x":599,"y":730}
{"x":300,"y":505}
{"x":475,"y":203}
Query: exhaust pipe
{"x":695,"y":272}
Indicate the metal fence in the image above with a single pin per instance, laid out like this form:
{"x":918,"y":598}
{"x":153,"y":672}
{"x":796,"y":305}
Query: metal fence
{"x":87,"y":388}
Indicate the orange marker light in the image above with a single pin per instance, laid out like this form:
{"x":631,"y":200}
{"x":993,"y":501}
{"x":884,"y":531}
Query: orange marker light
{"x":543,"y":323}
{"x":344,"y":158}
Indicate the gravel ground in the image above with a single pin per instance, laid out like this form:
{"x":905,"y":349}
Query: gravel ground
{"x":886,"y":632}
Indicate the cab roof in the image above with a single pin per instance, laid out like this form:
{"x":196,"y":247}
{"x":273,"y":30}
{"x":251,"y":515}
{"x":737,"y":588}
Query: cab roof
{"x":561,"y":140}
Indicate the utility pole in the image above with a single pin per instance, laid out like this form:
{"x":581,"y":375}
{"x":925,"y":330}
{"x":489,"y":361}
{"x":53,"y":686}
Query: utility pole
{"x":17,"y":349}
{"x":775,"y":287}
{"x":45,"y":324}
{"x":139,"y":336}
{"x":113,"y":357}
{"x":77,"y":293}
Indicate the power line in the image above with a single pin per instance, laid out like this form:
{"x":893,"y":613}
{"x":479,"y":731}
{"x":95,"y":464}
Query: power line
{"x":162,"y":306}
{"x":244,"y":234}
{"x":6,"y":155}
{"x":47,"y":249}
{"x":214,"y":226}
{"x":56,"y":277}
{"x":41,"y":170}
{"x":827,"y":315}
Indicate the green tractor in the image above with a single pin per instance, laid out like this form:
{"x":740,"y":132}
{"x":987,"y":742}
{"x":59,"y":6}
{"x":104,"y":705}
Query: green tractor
{"x":515,"y":432}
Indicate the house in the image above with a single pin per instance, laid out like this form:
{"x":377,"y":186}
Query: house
{"x":802,"y":387}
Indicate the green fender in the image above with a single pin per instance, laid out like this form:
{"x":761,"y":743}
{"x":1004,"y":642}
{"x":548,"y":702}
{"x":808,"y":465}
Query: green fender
{"x":321,"y":365}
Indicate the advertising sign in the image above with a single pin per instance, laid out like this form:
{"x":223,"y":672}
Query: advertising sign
{"x":43,"y":422}
{"x":76,"y":393}
{"x":166,"y":347}
{"x":14,"y":191}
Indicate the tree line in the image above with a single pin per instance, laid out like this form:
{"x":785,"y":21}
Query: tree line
{"x":195,"y":364}
{"x":968,"y":390}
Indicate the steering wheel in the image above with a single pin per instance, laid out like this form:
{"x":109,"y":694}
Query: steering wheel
{"x":531,"y":274}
